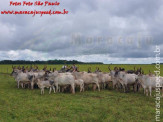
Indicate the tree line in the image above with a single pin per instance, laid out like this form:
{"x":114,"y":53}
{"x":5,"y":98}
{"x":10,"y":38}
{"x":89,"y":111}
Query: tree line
{"x":46,"y":62}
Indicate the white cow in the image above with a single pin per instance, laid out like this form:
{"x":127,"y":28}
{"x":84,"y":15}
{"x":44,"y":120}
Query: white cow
{"x":126,"y":79}
{"x":104,"y":78}
{"x":22,"y":78}
{"x":62,"y":79}
{"x":149,"y":82}
{"x":88,"y":78}
{"x":114,"y":78}
{"x":37,"y":75}
{"x":80,"y":83}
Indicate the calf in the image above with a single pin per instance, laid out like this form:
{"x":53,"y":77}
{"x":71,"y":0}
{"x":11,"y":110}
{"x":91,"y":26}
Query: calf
{"x":45,"y":84}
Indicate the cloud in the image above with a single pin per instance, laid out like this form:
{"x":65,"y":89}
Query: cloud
{"x":115,"y":29}
{"x":105,"y":58}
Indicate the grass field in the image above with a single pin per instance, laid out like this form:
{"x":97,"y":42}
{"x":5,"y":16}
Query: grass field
{"x":84,"y":67}
{"x":22,"y":105}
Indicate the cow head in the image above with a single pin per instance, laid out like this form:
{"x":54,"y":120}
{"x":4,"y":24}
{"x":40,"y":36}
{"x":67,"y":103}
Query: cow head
{"x":14,"y":72}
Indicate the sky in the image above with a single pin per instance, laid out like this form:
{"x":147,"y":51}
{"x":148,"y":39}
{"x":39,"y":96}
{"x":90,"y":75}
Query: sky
{"x":108,"y":31}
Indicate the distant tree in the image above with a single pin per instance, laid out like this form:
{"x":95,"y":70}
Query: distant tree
{"x":46,"y":62}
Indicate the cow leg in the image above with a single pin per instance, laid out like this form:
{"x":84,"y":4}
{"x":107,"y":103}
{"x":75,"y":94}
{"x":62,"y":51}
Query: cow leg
{"x":56,"y":87}
{"x":113,"y":86}
{"x":83,"y":87}
{"x":22,"y":85}
{"x":98,"y":86}
{"x":32,"y":84}
{"x":86,"y":86}
{"x":146,"y":92}
{"x":80,"y":88}
{"x":116,"y":87}
{"x":119,"y":86}
{"x":28,"y":85}
{"x":43,"y":90}
{"x":150,"y":91}
{"x":94,"y":87}
{"x":50,"y":90}
{"x":62,"y":88}
{"x":53,"y":89}
{"x":137,"y":87}
{"x":124,"y":87}
{"x":73,"y":88}
{"x":101,"y":85}
{"x":104,"y":85}
{"x":134,"y":87}
{"x":128,"y":88}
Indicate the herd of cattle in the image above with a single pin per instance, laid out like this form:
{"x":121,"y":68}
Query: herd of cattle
{"x":61,"y":81}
